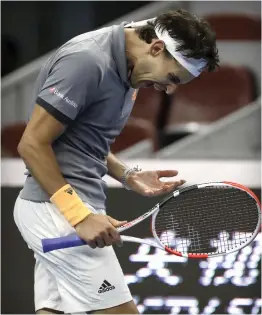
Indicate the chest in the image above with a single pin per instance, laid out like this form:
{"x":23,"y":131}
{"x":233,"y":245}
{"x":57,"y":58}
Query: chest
{"x":111,"y":108}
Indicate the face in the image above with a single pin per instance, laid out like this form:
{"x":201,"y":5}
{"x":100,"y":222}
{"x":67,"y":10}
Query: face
{"x":154,"y":68}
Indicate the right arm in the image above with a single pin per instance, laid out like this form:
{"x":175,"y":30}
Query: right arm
{"x":35,"y":148}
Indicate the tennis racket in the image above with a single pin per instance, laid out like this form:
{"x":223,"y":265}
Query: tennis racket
{"x":198,"y":221}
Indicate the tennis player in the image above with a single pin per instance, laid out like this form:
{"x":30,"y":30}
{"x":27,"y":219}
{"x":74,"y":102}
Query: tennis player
{"x":82,"y":100}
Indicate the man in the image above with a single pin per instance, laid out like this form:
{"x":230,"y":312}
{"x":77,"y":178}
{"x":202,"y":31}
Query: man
{"x":82,"y":100}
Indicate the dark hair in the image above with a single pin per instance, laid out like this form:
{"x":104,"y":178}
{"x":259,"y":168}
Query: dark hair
{"x":194,"y":35}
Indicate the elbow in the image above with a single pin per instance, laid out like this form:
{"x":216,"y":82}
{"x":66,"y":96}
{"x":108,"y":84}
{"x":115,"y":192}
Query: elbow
{"x":26,"y":147}
{"x":22,"y":148}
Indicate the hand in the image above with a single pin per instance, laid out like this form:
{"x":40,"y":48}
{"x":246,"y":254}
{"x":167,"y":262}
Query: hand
{"x":99,"y":230}
{"x":147,"y":183}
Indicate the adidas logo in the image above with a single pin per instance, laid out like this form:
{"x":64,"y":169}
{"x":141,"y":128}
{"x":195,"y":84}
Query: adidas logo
{"x":106,"y":286}
{"x":69,"y":191}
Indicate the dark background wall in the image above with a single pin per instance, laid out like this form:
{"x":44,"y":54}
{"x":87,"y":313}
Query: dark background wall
{"x":32,"y":28}
{"x":18,"y":267}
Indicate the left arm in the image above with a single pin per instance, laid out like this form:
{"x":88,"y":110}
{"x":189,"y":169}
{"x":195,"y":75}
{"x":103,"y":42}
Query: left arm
{"x":116,"y":168}
{"x":146,"y":183}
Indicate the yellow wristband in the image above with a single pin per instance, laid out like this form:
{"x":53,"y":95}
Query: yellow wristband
{"x":69,"y":203}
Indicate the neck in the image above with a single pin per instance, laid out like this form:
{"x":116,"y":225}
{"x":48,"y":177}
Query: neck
{"x":129,"y":56}
{"x":134,"y":46}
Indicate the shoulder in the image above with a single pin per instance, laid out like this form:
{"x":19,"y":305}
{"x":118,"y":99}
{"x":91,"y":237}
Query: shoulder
{"x":78,"y":62}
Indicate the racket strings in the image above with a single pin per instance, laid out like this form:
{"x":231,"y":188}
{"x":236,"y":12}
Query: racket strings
{"x":207,"y":220}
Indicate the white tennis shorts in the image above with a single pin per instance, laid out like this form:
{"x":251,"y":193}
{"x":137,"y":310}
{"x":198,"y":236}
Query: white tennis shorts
{"x":72,"y":280}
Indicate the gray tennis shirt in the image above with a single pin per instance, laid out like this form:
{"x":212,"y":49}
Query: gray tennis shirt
{"x":85,"y":86}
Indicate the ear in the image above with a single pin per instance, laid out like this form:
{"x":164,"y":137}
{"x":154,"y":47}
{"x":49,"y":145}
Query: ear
{"x":157,"y":47}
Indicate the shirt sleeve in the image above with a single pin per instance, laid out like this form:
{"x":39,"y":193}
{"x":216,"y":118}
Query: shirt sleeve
{"x":70,"y":86}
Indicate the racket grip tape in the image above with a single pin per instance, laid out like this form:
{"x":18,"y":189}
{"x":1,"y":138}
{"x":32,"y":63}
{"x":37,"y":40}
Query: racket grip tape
{"x":71,"y":240}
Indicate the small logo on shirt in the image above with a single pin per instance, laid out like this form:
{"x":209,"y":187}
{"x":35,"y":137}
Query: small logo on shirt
{"x":55,"y":91}
{"x":106,"y":286}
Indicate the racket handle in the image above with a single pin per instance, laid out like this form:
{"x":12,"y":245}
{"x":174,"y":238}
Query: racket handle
{"x":71,"y":240}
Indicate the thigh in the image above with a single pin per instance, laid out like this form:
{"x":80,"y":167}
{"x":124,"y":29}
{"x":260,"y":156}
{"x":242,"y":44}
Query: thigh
{"x":87,"y":279}
{"x":45,"y":288}
{"x":126,"y":308}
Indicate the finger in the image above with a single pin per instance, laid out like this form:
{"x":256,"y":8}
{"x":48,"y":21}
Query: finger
{"x":155,"y":192}
{"x":167,"y":173}
{"x":115,"y":235}
{"x":119,"y":243}
{"x":175,"y":183}
{"x":163,"y":190}
{"x":108,"y":240}
{"x":170,"y":188}
{"x":100,"y":242}
{"x":166,"y":187}
{"x":119,"y":223}
{"x":148,"y":193}
{"x":115,"y":222}
{"x":92,"y":244}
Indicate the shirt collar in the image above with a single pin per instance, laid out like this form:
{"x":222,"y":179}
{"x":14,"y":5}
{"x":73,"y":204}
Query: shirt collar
{"x":119,"y":52}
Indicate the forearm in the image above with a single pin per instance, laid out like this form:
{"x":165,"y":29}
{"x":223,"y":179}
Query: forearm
{"x":116,"y":168}
{"x":41,"y":161}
